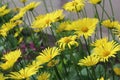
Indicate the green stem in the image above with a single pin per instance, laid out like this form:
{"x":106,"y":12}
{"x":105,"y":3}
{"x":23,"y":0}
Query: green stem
{"x":87,"y":46}
{"x":85,"y":12}
{"x":14,"y":3}
{"x":97,"y":14}
{"x":57,"y":73}
{"x":77,"y":13}
{"x":51,"y":5}
{"x":89,"y":74}
{"x":104,"y":11}
{"x":52,"y":30}
{"x":76,"y":68}
{"x":62,"y":57}
{"x":93,"y":72}
{"x":112,"y":70}
{"x":112,"y":9}
{"x":45,"y":5}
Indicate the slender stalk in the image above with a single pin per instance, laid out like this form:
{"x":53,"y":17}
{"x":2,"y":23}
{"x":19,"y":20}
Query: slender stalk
{"x":104,"y":11}
{"x":27,"y":15}
{"x":62,"y":57}
{"x":87,"y":47}
{"x":97,"y":14}
{"x":112,"y":10}
{"x":57,"y":73}
{"x":89,"y":74}
{"x":76,"y":68}
{"x":93,"y":72}
{"x":45,"y":5}
{"x":14,"y":3}
{"x":111,"y":65}
{"x":51,"y":5}
{"x":77,"y":13}
{"x":85,"y":12}
{"x":52,"y":30}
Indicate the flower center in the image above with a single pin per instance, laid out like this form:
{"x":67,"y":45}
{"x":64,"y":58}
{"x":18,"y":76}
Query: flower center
{"x":74,"y":3}
{"x":47,"y":21}
{"x":84,"y":29}
{"x":67,"y":40}
{"x":106,"y":53}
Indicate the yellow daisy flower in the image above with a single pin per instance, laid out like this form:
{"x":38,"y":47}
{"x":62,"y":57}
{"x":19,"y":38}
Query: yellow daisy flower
{"x":43,"y":21}
{"x":44,"y":76}
{"x":9,"y":59}
{"x":6,"y":11}
{"x":75,"y":5}
{"x":63,"y":26}
{"x":18,"y":16}
{"x":110,"y":24}
{"x":116,"y":31}
{"x":24,"y":73}
{"x":3,"y":10}
{"x":30,"y":6}
{"x":106,"y":50}
{"x":94,"y":1}
{"x":67,"y":41}
{"x":88,"y":61}
{"x":6,"y":27}
{"x":85,"y":27}
{"x":47,"y":55}
{"x":116,"y":69}
{"x":99,"y":42}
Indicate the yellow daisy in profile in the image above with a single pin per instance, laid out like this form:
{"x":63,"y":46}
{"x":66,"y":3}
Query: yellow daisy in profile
{"x":18,"y":16}
{"x":3,"y":10}
{"x":94,"y":1}
{"x":47,"y":54}
{"x":116,"y":69}
{"x":110,"y":24}
{"x":106,"y":50}
{"x":24,"y":73}
{"x":30,"y":6}
{"x":64,"y":26}
{"x":85,"y":27}
{"x":67,"y":41}
{"x":43,"y":21}
{"x":74,"y":5}
{"x":10,"y":58}
{"x":6,"y":11}
{"x":44,"y":76}
{"x":88,"y":61}
{"x":6,"y":27}
{"x":99,"y":42}
{"x":116,"y":31}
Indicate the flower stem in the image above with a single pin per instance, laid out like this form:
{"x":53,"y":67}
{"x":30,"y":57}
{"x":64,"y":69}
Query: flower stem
{"x":45,"y":5}
{"x":57,"y":73}
{"x":51,"y":5}
{"x":87,"y":47}
{"x":112,"y":9}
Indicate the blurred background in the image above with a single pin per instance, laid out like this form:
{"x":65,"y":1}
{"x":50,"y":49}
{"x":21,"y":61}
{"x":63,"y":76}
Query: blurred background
{"x":57,"y":4}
